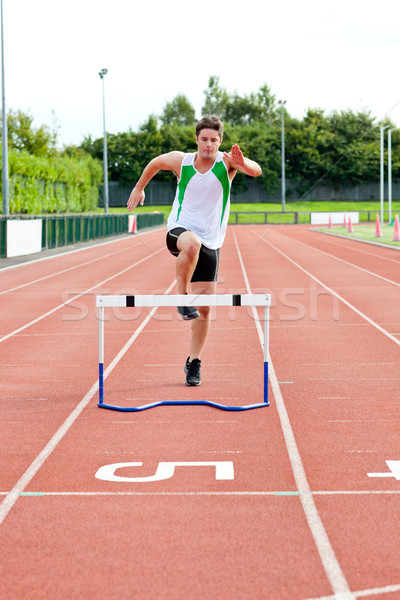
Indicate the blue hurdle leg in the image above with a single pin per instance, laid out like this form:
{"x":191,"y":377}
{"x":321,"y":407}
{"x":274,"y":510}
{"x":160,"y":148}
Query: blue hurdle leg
{"x":266,"y":383}
{"x":101,"y":384}
{"x":101,"y":355}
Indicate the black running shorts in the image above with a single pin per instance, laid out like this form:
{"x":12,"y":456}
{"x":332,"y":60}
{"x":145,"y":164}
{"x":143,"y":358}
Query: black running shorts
{"x":208,"y":263}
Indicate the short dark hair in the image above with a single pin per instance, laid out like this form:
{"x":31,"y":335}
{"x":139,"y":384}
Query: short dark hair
{"x":210,"y":122}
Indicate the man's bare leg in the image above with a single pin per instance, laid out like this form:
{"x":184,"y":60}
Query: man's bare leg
{"x":189,"y":247}
{"x":201,"y":326}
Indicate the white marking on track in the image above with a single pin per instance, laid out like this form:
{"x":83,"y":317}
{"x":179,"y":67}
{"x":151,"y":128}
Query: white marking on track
{"x":334,"y":397}
{"x":360,"y":451}
{"x":279,"y":493}
{"x":88,"y":262}
{"x":34,"y":467}
{"x":53,"y":310}
{"x":165,"y":470}
{"x":330,"y":290}
{"x":388,"y":589}
{"x":27,"y":263}
{"x":329,"y":561}
{"x":350,"y":264}
{"x":350,"y":247}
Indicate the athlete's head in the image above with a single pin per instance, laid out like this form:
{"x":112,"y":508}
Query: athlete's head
{"x":210,"y":122}
{"x":209,"y":136}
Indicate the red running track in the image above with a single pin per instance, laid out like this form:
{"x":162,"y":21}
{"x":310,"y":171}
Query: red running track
{"x":301,"y":519}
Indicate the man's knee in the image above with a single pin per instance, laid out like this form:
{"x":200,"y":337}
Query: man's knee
{"x":204,"y":311}
{"x":189,"y":244}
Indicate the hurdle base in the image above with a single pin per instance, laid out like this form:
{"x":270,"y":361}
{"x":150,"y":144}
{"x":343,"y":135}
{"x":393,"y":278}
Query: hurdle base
{"x":184,"y":403}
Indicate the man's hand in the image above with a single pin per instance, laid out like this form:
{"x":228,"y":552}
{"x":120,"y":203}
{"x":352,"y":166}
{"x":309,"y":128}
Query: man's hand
{"x":238,"y":162}
{"x":136,"y":197}
{"x":235,"y":157}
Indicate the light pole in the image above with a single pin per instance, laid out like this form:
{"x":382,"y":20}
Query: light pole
{"x":102,"y":73}
{"x":283,"y":181}
{"x":4,"y":146}
{"x":382,"y":129}
{"x":390,"y":172}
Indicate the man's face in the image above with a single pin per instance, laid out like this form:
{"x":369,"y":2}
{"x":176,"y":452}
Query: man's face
{"x":208,"y":143}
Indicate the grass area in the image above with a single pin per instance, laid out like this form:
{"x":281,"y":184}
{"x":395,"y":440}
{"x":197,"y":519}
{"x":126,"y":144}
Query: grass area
{"x":366,"y":233}
{"x":300,"y":206}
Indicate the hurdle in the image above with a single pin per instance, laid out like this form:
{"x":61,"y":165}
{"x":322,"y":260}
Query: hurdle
{"x":156,"y":300}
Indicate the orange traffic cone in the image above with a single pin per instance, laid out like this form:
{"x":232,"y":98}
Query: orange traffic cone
{"x":330,"y":222}
{"x":132,"y":224}
{"x":396,"y":237}
{"x":378,"y":230}
{"x":350,"y":227}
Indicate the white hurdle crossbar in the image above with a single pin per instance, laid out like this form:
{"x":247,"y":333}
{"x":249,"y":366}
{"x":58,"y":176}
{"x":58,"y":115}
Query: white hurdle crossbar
{"x":171,"y":300}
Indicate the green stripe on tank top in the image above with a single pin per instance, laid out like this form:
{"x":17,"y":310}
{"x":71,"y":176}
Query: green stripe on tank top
{"x":220,"y":172}
{"x":186,"y":175}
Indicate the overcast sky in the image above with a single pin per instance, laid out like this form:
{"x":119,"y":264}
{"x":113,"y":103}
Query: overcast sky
{"x":312,"y":53}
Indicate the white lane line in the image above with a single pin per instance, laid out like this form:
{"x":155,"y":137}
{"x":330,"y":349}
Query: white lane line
{"x":388,"y":589}
{"x":352,"y":249}
{"x":281,"y":493}
{"x":346,"y":262}
{"x":88,"y":247}
{"x":331,"y":291}
{"x":56,"y":273}
{"x":31,"y":471}
{"x":278,"y":494}
{"x":329,"y":561}
{"x":53,"y":310}
{"x":362,"y":241}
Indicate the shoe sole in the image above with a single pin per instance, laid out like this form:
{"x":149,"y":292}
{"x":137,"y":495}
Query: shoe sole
{"x":190,"y":384}
{"x":189,"y":317}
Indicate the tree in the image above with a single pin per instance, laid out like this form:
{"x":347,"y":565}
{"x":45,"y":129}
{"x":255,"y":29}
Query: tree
{"x":217,"y":98}
{"x":252,"y":108}
{"x":178,"y":112}
{"x":22,"y":135}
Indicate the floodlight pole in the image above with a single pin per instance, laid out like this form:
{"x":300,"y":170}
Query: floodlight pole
{"x":4,"y":133}
{"x":102,"y":73}
{"x":382,"y":129}
{"x":390,"y":172}
{"x":283,"y":179}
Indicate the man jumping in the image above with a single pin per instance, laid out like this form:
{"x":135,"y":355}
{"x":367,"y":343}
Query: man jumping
{"x":198,"y":220}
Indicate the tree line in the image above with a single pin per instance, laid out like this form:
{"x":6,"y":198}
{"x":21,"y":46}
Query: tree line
{"x":44,"y":179}
{"x":337,"y":149}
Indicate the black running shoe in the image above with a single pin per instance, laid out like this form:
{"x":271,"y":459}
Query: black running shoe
{"x":188,"y":312}
{"x":192,"y":370}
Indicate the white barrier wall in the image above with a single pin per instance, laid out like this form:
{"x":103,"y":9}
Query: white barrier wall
{"x":23,"y":237}
{"x":322,"y":218}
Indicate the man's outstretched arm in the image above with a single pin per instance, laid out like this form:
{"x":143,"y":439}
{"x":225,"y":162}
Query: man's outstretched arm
{"x":165,"y":162}
{"x":238,"y":162}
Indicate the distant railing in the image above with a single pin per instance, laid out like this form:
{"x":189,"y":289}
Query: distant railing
{"x":64,"y":230}
{"x":289,"y":217}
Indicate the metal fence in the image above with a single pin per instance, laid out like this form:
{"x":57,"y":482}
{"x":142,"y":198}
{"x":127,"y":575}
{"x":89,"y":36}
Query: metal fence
{"x":289,"y":217}
{"x":63,"y":230}
{"x":162,"y":193}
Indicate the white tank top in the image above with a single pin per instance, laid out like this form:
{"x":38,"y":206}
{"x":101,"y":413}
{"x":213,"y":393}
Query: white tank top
{"x":202,"y":201}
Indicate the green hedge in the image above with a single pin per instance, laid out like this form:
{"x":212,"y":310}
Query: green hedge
{"x":53,"y":184}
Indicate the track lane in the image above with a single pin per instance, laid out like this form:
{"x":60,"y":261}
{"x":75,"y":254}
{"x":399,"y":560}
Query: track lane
{"x":169,"y":442}
{"x":343,"y":402}
{"x":34,"y":301}
{"x":219,"y":565}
